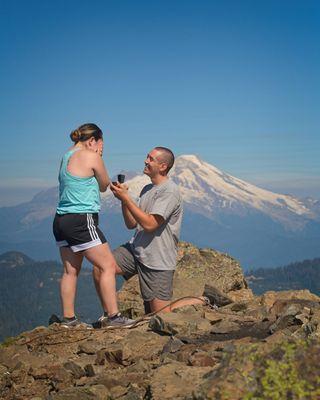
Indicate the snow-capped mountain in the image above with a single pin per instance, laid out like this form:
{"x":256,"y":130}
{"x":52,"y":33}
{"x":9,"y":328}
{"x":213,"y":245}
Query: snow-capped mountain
{"x":257,"y":226}
{"x":210,"y":192}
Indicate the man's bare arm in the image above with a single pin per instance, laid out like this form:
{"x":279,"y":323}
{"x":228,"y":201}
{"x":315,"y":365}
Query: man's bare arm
{"x":149,"y":222}
{"x":129,"y":220}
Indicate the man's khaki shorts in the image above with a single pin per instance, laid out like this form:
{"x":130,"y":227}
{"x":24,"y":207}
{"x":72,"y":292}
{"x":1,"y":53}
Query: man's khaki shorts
{"x":153,"y":283}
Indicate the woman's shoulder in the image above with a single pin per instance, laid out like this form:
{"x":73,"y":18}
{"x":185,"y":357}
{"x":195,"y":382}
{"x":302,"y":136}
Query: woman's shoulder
{"x":85,"y":158}
{"x":86,"y":154}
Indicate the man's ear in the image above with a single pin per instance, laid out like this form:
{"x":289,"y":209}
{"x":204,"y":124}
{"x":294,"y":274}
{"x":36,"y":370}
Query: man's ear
{"x":163,"y":168}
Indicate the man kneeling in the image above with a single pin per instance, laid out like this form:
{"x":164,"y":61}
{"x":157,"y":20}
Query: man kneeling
{"x":152,"y":252}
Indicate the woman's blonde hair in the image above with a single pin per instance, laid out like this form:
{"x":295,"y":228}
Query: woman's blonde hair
{"x":85,"y":132}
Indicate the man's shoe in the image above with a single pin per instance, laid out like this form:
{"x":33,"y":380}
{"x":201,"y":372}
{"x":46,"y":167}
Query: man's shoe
{"x":118,"y":321}
{"x":75,"y":323}
{"x":215,"y":296}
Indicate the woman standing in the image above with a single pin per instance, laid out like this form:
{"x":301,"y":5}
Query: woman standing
{"x":82,"y":177}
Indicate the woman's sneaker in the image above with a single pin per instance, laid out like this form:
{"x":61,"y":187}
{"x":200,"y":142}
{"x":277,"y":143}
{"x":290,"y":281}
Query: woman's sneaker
{"x":117,"y":321}
{"x":74,"y":323}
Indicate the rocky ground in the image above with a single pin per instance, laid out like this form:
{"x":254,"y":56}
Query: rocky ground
{"x":264,"y":347}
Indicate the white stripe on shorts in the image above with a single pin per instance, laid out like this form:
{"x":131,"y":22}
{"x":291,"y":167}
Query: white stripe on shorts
{"x":91,"y":227}
{"x":85,"y":246}
{"x":94,"y":230}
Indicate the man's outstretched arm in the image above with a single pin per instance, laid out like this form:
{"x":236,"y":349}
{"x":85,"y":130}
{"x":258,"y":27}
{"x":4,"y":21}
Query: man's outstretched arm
{"x":134,"y":214}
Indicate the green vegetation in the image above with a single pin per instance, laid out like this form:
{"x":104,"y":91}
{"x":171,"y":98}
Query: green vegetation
{"x":299,"y":275}
{"x":29,"y":294}
{"x":281,"y":374}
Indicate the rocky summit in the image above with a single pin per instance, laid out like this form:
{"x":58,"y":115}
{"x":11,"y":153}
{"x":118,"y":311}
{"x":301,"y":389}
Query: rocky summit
{"x":250,"y":347}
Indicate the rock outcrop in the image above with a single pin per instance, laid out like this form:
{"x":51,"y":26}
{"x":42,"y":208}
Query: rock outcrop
{"x":196,"y":267}
{"x":265,"y":347}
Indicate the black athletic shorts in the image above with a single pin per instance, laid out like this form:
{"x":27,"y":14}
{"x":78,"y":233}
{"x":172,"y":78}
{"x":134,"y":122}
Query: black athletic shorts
{"x":77,"y":231}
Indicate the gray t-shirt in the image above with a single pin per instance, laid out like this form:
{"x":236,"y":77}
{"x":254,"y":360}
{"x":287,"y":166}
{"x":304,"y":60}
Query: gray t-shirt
{"x":158,"y":249}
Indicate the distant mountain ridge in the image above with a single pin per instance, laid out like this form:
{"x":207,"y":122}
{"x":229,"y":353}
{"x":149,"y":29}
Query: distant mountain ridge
{"x":257,"y":226}
{"x":14,"y":259}
{"x":299,"y":275}
{"x":29,"y":293}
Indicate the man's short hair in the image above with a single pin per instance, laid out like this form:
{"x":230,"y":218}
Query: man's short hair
{"x":166,"y":156}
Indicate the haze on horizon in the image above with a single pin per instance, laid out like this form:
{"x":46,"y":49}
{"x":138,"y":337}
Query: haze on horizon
{"x":236,"y":83}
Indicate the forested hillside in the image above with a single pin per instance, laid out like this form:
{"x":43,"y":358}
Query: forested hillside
{"x":29,"y":293}
{"x":299,"y":275}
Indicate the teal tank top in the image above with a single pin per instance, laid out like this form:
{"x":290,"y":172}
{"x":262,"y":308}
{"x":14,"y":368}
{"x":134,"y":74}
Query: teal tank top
{"x":77,"y":195}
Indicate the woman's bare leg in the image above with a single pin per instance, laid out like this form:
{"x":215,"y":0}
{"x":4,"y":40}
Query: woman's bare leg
{"x":68,"y":286}
{"x":96,"y":278}
{"x":104,"y":274}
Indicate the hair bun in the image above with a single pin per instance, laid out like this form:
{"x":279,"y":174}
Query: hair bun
{"x":85,"y":132}
{"x":75,"y":135}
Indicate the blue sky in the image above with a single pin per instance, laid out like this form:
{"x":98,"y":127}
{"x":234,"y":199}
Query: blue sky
{"x":235,"y":82}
